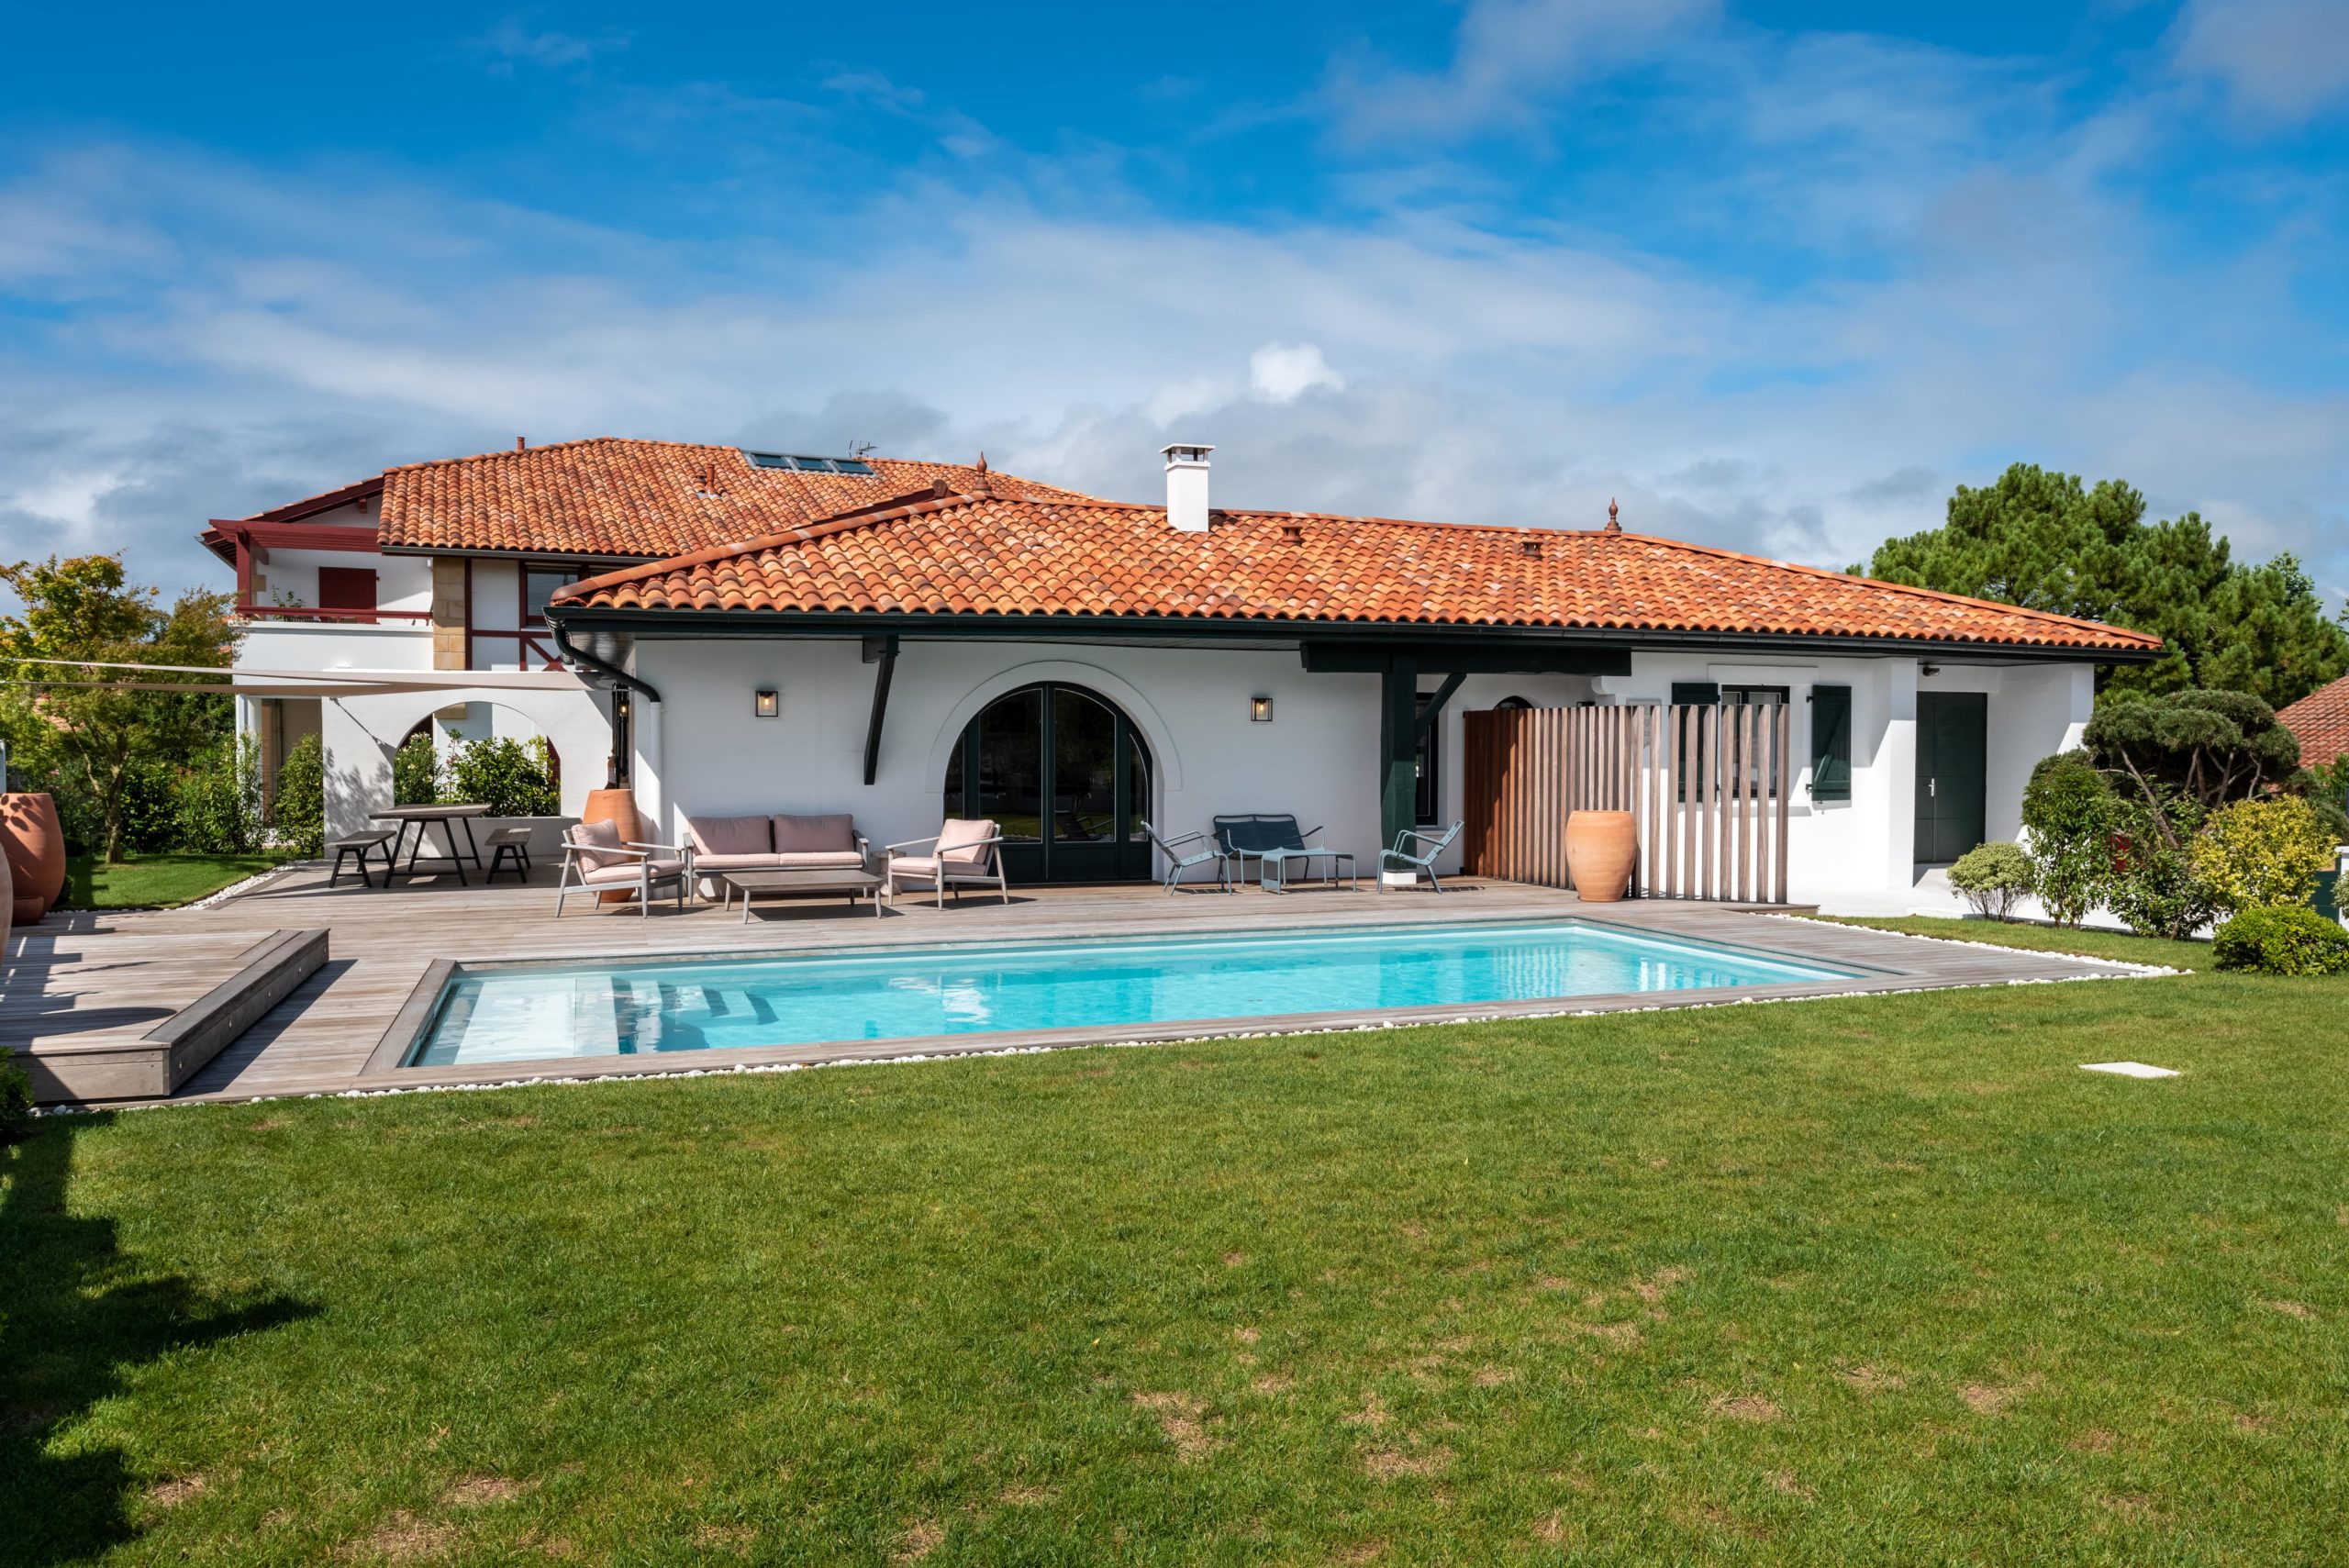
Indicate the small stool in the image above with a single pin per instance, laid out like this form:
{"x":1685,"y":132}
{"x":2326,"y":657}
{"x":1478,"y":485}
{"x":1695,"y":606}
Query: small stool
{"x":360,"y":844}
{"x":508,"y":846}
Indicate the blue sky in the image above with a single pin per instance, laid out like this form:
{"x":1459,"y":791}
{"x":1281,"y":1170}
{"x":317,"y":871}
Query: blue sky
{"x":1774,"y":277}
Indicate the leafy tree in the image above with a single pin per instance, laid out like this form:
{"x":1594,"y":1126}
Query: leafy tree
{"x":2049,"y":543}
{"x":2211,"y":747}
{"x":103,"y":734}
{"x":2263,"y":852}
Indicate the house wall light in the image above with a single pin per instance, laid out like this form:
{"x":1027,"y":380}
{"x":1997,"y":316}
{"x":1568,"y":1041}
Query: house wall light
{"x":1259,"y":710}
{"x":766,"y":703}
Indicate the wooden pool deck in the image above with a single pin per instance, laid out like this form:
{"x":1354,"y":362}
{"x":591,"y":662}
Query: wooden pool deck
{"x":90,"y":976}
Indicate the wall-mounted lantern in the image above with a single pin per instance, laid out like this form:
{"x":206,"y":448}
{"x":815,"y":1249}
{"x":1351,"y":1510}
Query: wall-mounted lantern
{"x":1259,"y":710}
{"x":766,"y":703}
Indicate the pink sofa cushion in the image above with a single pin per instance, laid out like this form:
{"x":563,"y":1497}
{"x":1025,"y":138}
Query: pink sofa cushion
{"x":632,"y":872}
{"x":599,"y":845}
{"x":798,"y":835}
{"x":958,"y":842}
{"x":729,"y":836}
{"x":762,"y":861}
{"x":818,"y":860}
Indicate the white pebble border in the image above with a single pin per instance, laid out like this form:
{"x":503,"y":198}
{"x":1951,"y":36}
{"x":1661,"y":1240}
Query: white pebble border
{"x":2119,"y":972}
{"x":2128,"y":970}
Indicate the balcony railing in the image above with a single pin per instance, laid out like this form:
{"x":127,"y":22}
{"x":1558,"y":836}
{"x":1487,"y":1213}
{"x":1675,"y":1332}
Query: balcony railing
{"x":313,"y":613}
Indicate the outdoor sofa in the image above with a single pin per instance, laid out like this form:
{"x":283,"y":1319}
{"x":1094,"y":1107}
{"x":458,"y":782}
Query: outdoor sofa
{"x":777,"y":843}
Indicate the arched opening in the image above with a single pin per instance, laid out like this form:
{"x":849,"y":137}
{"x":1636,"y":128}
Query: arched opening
{"x":479,"y":749}
{"x":1067,"y":778}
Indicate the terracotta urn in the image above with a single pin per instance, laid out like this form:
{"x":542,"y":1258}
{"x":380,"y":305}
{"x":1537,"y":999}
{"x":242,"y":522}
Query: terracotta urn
{"x":35,"y":843}
{"x":616,"y":805}
{"x":8,"y":911}
{"x":1600,"y":849}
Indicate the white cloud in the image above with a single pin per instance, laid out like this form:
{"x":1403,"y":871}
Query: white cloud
{"x":1508,"y":53}
{"x":2279,"y":59}
{"x":1286,"y":372}
{"x":512,"y":42}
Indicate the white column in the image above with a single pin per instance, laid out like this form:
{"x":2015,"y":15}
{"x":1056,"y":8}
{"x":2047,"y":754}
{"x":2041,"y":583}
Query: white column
{"x":1897,"y":774}
{"x":645,"y":771}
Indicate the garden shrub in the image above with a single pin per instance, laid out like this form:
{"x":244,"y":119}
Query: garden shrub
{"x":2155,"y":889}
{"x":299,"y":811}
{"x":416,"y":772}
{"x":1995,"y":878}
{"x":2070,"y":813}
{"x":217,"y":803}
{"x":2282,"y":938}
{"x":16,"y":1099}
{"x":2263,"y":852}
{"x":515,"y":778}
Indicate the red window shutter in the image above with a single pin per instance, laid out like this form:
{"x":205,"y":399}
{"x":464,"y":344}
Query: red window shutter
{"x":347,"y":588}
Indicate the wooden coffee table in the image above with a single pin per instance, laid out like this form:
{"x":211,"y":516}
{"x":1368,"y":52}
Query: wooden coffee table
{"x":825,"y":879}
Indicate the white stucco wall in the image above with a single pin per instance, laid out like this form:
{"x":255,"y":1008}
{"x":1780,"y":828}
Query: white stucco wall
{"x":401,"y":582}
{"x":360,"y":734}
{"x":703,"y":752}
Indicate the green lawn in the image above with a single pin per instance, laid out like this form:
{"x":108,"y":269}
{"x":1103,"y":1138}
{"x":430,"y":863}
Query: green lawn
{"x":146,"y":881}
{"x":1878,"y":1280}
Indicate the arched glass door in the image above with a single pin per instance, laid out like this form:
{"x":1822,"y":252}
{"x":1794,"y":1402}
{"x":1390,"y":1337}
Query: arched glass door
{"x":1065,"y":778}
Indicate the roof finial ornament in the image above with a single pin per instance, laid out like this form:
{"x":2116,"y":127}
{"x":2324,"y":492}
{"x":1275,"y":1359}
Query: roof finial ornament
{"x":983,"y":462}
{"x":1613,"y":527}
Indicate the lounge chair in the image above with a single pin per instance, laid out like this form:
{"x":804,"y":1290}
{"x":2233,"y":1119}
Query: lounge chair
{"x":1261,"y":837}
{"x":1402,"y":857}
{"x":961,"y":853}
{"x":1180,"y":858}
{"x":595,"y":861}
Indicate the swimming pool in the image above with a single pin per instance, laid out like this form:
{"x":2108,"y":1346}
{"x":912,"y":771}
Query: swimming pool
{"x":546,"y":1012}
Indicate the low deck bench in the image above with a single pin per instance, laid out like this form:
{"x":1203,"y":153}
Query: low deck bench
{"x":361,"y":845}
{"x":508,"y":846}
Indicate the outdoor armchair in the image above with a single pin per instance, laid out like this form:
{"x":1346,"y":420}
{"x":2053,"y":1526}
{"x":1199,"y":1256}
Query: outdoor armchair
{"x":1402,"y":856}
{"x":1181,"y":858}
{"x":595,"y":861}
{"x":961,"y":852}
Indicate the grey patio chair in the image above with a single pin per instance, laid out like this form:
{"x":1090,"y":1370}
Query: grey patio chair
{"x":1180,"y":860}
{"x":1259,"y":836}
{"x":594,"y":861}
{"x":1401,"y":855}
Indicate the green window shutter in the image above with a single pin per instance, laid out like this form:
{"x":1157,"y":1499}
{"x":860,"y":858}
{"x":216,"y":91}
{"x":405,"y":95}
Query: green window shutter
{"x":1831,"y":742}
{"x":1695,"y":694}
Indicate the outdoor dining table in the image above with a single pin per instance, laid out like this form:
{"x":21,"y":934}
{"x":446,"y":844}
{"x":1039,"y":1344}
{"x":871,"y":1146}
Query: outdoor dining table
{"x":448,"y":817}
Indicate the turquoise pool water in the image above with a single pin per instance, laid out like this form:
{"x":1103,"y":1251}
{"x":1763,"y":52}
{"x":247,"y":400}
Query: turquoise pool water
{"x":550,"y":1012}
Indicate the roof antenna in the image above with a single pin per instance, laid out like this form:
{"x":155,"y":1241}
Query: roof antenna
{"x":859,"y":450}
{"x":1612,"y":526}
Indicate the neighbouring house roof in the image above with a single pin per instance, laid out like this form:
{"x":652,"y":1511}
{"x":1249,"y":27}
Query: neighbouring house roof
{"x":981,"y":553}
{"x":2320,"y":721}
{"x":638,"y":499}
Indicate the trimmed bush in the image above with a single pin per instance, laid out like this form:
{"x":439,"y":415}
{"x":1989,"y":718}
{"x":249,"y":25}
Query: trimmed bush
{"x":2154,"y":890}
{"x":2263,"y":852}
{"x":299,"y":811}
{"x":514,"y":777}
{"x":416,"y":772}
{"x":16,"y":1099}
{"x":218,"y":800}
{"x":2070,"y":813}
{"x":1995,"y":878}
{"x":2282,"y":938}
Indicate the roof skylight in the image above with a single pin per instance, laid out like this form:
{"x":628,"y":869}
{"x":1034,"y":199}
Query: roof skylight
{"x":799,"y":464}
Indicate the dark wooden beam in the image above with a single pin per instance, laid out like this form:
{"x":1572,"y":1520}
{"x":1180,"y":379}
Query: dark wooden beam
{"x":883,"y":651}
{"x":1467,"y":658}
{"x":1434,"y":703}
{"x":1398,"y":751}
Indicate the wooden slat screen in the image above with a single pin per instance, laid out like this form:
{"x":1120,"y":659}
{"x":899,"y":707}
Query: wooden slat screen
{"x":1707,"y":786}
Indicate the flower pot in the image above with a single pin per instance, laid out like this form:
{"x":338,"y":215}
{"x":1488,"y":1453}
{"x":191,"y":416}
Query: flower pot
{"x":35,"y":844}
{"x":1600,"y":849}
{"x":616,"y":805}
{"x":7,"y":912}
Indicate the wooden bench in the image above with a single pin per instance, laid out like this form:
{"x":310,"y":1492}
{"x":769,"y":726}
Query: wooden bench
{"x":508,"y":846}
{"x":361,"y":845}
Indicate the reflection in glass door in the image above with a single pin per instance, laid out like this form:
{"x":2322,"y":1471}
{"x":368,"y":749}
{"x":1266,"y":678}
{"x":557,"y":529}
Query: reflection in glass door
{"x":1065,"y":778}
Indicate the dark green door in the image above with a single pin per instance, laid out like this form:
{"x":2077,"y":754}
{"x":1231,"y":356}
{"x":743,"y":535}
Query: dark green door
{"x":1953,"y":766}
{"x":1063,"y":775}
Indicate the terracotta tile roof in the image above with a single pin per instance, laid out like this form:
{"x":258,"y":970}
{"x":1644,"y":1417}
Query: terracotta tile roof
{"x":2320,"y":720}
{"x":636,"y":499}
{"x":981,"y":554}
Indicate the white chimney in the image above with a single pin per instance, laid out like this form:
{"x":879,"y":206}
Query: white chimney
{"x":1187,"y":487}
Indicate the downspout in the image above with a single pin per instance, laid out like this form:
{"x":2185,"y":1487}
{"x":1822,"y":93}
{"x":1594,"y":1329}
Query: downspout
{"x":579,"y":655}
{"x":571,"y":650}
